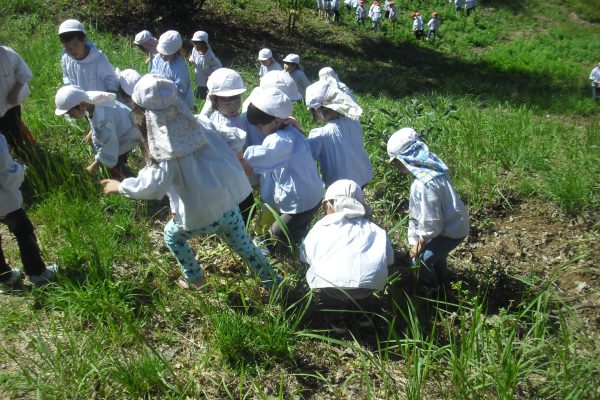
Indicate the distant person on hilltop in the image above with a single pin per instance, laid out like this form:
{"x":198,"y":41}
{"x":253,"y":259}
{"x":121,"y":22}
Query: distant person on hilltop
{"x":438,"y":219}
{"x":14,"y":77}
{"x":418,"y":26}
{"x":205,"y":62}
{"x":393,"y":15}
{"x":171,"y":65}
{"x":458,"y":5}
{"x":470,"y":6}
{"x":267,"y":62}
{"x":147,"y":44}
{"x":432,"y":26}
{"x":375,"y":14}
{"x":291,"y":65}
{"x":82,"y":64}
{"x":361,"y":13}
{"x":595,"y":78}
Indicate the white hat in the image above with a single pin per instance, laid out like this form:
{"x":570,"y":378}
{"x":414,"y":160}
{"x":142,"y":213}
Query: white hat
{"x":315,"y":94}
{"x":71,"y":25}
{"x":272,"y":101}
{"x":200,"y":36}
{"x":265,"y":54}
{"x":400,"y":141}
{"x":328,"y":94}
{"x":327,"y":72}
{"x":292,"y":58}
{"x":225,"y":82}
{"x":283,"y":81}
{"x":348,"y":198}
{"x":143,"y":37}
{"x":68,"y":97}
{"x":127,"y":79}
{"x":153,"y":92}
{"x":169,"y":43}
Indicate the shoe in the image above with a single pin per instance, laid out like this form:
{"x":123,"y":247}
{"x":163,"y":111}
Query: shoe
{"x":14,"y":280}
{"x":45,"y":277}
{"x":363,"y":321}
{"x":195,"y":284}
{"x":338,"y":324}
{"x":261,"y":244}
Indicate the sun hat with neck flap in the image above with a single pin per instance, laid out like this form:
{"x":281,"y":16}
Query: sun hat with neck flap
{"x":348,"y":199}
{"x":169,"y":43}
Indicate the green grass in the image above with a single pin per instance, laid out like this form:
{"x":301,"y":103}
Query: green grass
{"x":502,"y":98}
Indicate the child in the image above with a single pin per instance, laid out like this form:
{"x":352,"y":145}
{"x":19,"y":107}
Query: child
{"x":327,"y":73}
{"x":112,"y":134}
{"x":438,"y":219}
{"x":127,"y":80}
{"x":338,"y":146}
{"x":393,"y":15}
{"x":82,"y":64}
{"x":15,"y":218}
{"x":595,"y":78}
{"x":172,"y":66}
{"x":470,"y":6}
{"x":279,"y":80}
{"x":189,"y":163}
{"x":291,"y":65}
{"x":458,"y":5}
{"x":348,"y":255}
{"x":289,"y":181}
{"x":205,"y":62}
{"x":432,"y":26}
{"x":418,"y":27}
{"x":361,"y":13}
{"x":13,"y":90}
{"x":267,"y":62}
{"x":375,"y":15}
{"x":147,"y":44}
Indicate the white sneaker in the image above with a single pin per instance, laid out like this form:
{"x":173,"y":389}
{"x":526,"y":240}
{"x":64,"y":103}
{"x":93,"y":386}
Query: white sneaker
{"x":45,"y":277}
{"x":16,"y":277}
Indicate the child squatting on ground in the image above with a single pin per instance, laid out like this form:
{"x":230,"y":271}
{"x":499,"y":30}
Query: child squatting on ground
{"x":348,"y":255}
{"x":337,"y":146}
{"x":205,"y":62}
{"x":438,"y":220}
{"x":202,"y":177}
{"x":15,"y":218}
{"x":289,"y":181}
{"x":113,"y":136}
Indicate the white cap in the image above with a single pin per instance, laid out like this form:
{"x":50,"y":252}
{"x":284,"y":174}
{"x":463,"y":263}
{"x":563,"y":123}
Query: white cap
{"x":272,"y":101}
{"x":265,"y":54}
{"x":225,"y":82}
{"x":348,"y":199}
{"x":344,"y":187}
{"x":169,"y":43}
{"x":153,"y":92}
{"x":68,"y":97}
{"x":316,"y":93}
{"x":71,"y":25}
{"x":400,"y":141}
{"x":283,"y":81}
{"x":327,"y":72}
{"x":143,"y":37}
{"x":127,"y":79}
{"x":292,"y":58}
{"x":200,"y":36}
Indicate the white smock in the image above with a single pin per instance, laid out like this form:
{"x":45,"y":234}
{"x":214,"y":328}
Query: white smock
{"x":436,"y":209}
{"x":289,"y":181}
{"x":275,"y":66}
{"x":204,"y":65}
{"x":13,"y":70}
{"x":93,"y":72}
{"x":11,"y":178}
{"x":113,"y":134}
{"x":433,"y":24}
{"x":595,"y":76}
{"x":177,"y":71}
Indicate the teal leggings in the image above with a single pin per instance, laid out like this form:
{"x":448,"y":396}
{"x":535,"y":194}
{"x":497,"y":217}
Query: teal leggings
{"x":231,"y":229}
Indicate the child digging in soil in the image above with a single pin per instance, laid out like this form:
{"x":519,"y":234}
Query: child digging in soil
{"x":112,"y":134}
{"x":438,"y":219}
{"x":13,"y":216}
{"x":202,"y":177}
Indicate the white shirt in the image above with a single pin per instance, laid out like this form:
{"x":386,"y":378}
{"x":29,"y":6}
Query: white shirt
{"x":459,"y":3}
{"x":436,"y":209}
{"x":204,"y":65}
{"x":275,"y":66}
{"x":289,"y":180}
{"x":346,"y":253}
{"x":11,"y":177}
{"x":470,"y":3}
{"x":94,"y":72}
{"x":433,"y":24}
{"x":175,"y":70}
{"x":201,"y":186}
{"x":113,"y":134}
{"x":13,"y":69}
{"x":375,"y":13}
{"x":301,"y":80}
{"x":235,"y":139}
{"x":595,"y":75}
{"x":339,"y":149}
{"x":418,"y":24}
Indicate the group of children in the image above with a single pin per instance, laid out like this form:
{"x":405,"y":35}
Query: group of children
{"x":207,"y":165}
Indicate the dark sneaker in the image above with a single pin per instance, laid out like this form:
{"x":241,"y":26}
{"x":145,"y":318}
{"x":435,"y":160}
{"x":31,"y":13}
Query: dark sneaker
{"x":45,"y":277}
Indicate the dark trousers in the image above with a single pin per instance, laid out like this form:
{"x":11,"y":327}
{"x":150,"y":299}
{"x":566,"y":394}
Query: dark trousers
{"x":296,"y":225}
{"x":121,"y":170}
{"x":21,"y":227}
{"x":246,"y":209}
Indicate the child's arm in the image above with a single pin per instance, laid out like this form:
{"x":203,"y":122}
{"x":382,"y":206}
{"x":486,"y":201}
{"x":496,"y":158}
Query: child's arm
{"x":106,"y":73}
{"x":273,"y":153}
{"x":430,"y":221}
{"x":151,"y":183}
{"x":108,"y":152}
{"x":12,"y":173}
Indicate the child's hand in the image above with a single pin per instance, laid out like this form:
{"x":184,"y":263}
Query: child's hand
{"x":247,"y":167}
{"x":88,"y":137}
{"x":417,"y":249}
{"x":111,"y":186}
{"x":93,"y":167}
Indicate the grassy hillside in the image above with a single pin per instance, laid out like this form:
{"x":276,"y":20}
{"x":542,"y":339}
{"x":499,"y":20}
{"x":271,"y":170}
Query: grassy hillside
{"x":503,"y":97}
